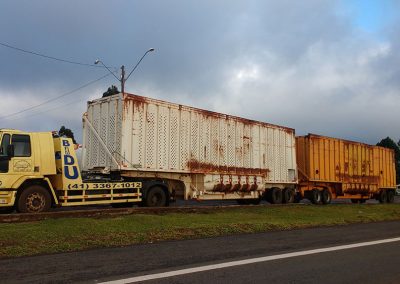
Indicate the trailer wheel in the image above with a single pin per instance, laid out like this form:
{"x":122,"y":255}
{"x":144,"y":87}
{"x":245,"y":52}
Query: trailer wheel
{"x":34,"y":199}
{"x":390,"y":196}
{"x":315,"y":196}
{"x":156,"y":197}
{"x":382,"y":196}
{"x":354,"y":201}
{"x":288,"y":195}
{"x":276,"y":195}
{"x":326,"y":196}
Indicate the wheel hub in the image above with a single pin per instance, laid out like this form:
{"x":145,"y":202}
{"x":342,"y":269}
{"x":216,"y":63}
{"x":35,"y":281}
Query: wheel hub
{"x":35,"y":202}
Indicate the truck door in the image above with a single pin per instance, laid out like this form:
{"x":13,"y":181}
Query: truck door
{"x":21,"y":162}
{"x":4,"y":158}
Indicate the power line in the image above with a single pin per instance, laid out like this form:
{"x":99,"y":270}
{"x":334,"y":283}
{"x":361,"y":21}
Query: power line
{"x":56,"y":98}
{"x":47,"y":110}
{"x":47,"y":56}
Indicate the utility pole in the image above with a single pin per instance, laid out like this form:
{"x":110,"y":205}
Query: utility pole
{"x":122,"y":79}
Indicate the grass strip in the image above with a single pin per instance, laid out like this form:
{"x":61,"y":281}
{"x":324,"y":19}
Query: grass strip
{"x":74,"y":234}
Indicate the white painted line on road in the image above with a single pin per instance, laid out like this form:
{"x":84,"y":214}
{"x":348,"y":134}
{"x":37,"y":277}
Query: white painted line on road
{"x":247,"y":261}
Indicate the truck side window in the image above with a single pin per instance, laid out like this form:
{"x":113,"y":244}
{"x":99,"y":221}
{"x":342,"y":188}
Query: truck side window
{"x":4,"y":143}
{"x":22,"y":145}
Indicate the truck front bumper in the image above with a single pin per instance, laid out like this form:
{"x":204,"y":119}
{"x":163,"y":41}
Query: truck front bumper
{"x":7,"y":198}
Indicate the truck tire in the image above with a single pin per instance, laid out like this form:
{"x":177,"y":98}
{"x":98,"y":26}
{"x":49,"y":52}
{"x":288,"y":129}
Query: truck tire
{"x":326,"y":196}
{"x":288,"y":195}
{"x":315,"y":197}
{"x":382,"y":196}
{"x":155,"y":197}
{"x":354,"y":201}
{"x":276,"y":195}
{"x":34,"y":199}
{"x":390,"y":196}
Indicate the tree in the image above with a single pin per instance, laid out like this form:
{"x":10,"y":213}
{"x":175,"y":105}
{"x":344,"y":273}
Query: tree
{"x":66,"y":132}
{"x":113,"y":90}
{"x":389,"y":143}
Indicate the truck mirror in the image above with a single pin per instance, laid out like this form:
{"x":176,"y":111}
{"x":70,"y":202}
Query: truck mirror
{"x":10,"y":151}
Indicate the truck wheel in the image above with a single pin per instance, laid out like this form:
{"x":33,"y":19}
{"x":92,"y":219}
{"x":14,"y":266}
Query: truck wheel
{"x":276,"y":195}
{"x":34,"y":199}
{"x":288,"y":195}
{"x":315,"y":196}
{"x":326,"y":196}
{"x":390,"y":196}
{"x":354,"y":201}
{"x":383,"y":196}
{"x":156,"y":197}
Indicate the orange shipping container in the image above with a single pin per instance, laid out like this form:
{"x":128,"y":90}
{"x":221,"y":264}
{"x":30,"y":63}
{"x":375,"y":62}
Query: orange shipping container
{"x":344,"y":169}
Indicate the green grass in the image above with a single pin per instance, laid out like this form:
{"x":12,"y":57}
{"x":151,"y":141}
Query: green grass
{"x":72,"y":234}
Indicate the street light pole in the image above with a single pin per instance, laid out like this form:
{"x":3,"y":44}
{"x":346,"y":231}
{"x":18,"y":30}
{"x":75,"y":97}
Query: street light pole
{"x":122,"y":80}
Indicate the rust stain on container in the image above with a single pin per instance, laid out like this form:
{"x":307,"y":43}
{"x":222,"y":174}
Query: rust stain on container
{"x":199,"y":167}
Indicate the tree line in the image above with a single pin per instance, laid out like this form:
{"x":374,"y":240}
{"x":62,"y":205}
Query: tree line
{"x":389,"y":143}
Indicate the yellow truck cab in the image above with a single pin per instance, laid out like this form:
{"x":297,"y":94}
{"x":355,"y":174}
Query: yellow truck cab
{"x":38,"y":171}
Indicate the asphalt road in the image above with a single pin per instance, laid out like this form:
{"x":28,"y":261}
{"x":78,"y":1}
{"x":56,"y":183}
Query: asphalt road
{"x":371,"y":264}
{"x":374,"y":264}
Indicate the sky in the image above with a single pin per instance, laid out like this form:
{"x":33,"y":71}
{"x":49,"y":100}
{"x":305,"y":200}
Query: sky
{"x":330,"y":67}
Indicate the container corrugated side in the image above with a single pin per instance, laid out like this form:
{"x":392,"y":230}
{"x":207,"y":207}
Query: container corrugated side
{"x":328,"y":159}
{"x":165,"y":137}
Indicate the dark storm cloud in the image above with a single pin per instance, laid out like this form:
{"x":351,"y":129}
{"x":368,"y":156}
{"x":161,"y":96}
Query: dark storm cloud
{"x":297,"y":63}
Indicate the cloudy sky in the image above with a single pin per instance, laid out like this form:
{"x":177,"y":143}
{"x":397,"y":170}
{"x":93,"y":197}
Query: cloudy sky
{"x":320,"y":66}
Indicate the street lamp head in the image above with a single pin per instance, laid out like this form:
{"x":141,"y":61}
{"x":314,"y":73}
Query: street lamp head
{"x":150,"y":50}
{"x":97,"y":61}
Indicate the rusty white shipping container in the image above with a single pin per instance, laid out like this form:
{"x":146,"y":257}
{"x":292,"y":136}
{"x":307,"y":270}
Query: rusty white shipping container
{"x":201,"y":154}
